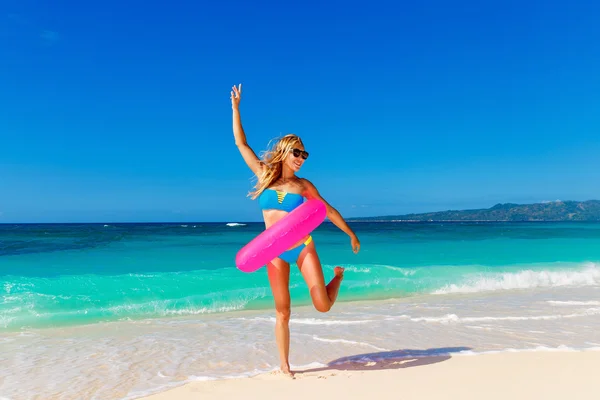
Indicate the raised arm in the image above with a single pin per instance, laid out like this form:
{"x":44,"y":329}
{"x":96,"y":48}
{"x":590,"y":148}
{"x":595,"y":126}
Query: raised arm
{"x":311,"y":192}
{"x":240,"y":137}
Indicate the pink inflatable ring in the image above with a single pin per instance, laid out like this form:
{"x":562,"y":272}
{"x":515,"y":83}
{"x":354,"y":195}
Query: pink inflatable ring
{"x":282,"y":235}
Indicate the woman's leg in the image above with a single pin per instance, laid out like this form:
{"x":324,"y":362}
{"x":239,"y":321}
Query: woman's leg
{"x":322,"y":296}
{"x":279,"y":278}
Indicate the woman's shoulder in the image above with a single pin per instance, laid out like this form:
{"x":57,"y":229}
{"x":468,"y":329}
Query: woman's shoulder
{"x":307,"y":186}
{"x":304,"y":182}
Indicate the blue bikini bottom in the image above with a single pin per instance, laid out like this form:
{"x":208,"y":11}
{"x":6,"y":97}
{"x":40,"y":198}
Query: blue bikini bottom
{"x":291,"y":256}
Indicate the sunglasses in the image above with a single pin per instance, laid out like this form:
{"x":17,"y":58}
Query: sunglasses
{"x":298,"y":152}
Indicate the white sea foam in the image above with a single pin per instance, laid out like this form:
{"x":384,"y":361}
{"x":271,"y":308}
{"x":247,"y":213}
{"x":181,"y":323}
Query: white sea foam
{"x":315,"y":321}
{"x":5,"y":321}
{"x":350,"y":342}
{"x":527,"y":279}
{"x":573,"y":303}
{"x":143,"y":275}
{"x":164,"y":307}
{"x":8,"y":286}
{"x":536,"y":349}
{"x":453,"y":318}
{"x":357,"y":269}
{"x":443,"y":319}
{"x":307,"y":366}
{"x":403,"y":271}
{"x":152,"y":308}
{"x":235,"y":224}
{"x":397,"y":317}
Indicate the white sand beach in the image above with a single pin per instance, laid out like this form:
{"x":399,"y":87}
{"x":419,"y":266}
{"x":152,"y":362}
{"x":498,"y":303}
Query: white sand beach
{"x":520,"y":375}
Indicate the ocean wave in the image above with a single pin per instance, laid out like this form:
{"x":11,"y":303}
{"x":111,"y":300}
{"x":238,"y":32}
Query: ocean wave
{"x":315,"y":321}
{"x":357,"y":269}
{"x":589,"y":275}
{"x":88,"y":298}
{"x":453,"y":318}
{"x":346,"y":341}
{"x":403,"y":271}
{"x":235,"y":224}
{"x":573,"y":303}
{"x":559,"y":348}
{"x":29,"y":312}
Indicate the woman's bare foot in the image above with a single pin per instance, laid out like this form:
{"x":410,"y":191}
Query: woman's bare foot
{"x":339,"y":271}
{"x":285,"y":369}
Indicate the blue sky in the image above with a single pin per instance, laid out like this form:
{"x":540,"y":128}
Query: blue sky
{"x":120,"y":111}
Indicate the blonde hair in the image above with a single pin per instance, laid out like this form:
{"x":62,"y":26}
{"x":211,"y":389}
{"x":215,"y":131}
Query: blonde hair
{"x":272,"y":162}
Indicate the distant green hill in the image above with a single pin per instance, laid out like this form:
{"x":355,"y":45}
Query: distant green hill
{"x":550,"y":211}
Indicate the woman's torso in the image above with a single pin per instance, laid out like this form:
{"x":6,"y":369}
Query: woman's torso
{"x":280,"y":199}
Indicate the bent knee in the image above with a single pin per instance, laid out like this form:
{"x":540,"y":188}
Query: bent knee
{"x":322,"y":307}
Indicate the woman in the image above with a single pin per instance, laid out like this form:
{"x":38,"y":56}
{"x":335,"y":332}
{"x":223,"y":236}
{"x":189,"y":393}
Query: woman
{"x":279,"y":191}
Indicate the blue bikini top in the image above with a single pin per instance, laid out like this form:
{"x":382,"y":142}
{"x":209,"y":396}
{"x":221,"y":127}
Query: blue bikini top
{"x":271,"y":199}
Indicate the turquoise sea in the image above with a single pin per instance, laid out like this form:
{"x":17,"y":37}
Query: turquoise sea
{"x":129,"y":309}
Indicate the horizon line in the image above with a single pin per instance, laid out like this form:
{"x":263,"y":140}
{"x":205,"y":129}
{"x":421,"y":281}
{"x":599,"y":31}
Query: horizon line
{"x":347,"y":219}
{"x":408,"y":221}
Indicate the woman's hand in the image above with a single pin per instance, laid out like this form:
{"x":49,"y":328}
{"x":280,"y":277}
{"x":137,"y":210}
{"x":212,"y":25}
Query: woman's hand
{"x":236,"y":96}
{"x":355,"y":243}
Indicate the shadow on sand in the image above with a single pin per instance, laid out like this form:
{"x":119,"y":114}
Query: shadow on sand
{"x":395,"y":359}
